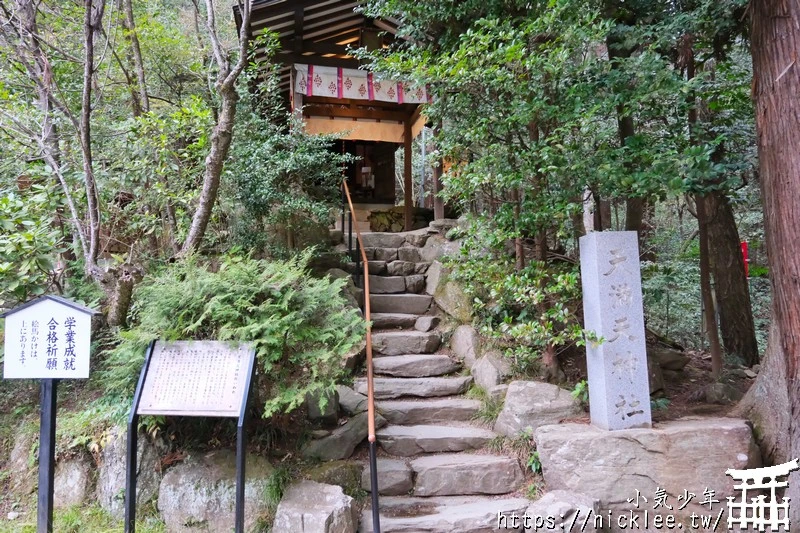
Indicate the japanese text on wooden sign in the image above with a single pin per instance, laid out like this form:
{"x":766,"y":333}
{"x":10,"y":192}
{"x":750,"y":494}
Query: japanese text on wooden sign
{"x":47,"y":339}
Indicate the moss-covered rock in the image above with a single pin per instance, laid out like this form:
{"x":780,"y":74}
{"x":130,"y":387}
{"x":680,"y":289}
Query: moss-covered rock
{"x":345,"y":474}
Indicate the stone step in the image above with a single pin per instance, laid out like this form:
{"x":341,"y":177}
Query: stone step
{"x":415,"y":304}
{"x":465,"y":474}
{"x":393,"y":320}
{"x":376,"y":267}
{"x":382,"y":240}
{"x":411,"y":412}
{"x":404,"y":342}
{"x":406,"y":441}
{"x":401,"y":268}
{"x":394,"y":477}
{"x":444,"y":514}
{"x":409,"y":254}
{"x":387,"y":284}
{"x":415,"y":366}
{"x":415,"y":284}
{"x":389,"y":388}
{"x":381,"y":254}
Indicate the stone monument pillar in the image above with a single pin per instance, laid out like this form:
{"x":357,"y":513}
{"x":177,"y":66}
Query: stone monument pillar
{"x":619,"y":391}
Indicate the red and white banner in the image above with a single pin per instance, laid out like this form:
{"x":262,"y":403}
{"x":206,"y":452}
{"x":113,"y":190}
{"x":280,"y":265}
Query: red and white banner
{"x":333,"y":82}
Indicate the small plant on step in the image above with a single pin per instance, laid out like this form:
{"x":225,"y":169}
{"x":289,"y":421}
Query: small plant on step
{"x":520,"y":445}
{"x":490,"y":407}
{"x":534,"y":463}
{"x":659,"y":404}
{"x":581,"y":392}
{"x":534,"y":489}
{"x":281,"y":477}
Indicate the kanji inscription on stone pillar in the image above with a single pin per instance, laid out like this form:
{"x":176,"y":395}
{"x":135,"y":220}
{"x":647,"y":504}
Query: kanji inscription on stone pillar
{"x":619,"y":391}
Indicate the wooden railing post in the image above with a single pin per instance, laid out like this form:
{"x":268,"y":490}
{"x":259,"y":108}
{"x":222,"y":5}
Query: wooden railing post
{"x":376,"y":525}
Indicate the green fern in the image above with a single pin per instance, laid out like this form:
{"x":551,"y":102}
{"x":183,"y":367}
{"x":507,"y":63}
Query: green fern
{"x":300,"y":325}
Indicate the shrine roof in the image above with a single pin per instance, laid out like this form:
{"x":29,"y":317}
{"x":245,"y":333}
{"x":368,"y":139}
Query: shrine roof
{"x":316,"y":32}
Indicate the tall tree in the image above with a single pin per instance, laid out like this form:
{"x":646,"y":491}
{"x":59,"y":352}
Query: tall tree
{"x":228,"y":73}
{"x":775,"y":44}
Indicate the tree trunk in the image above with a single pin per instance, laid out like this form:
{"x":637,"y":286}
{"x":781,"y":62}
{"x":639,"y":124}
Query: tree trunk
{"x":222,"y":134}
{"x":775,"y":40}
{"x":118,"y":284}
{"x":220,"y":144}
{"x":130,"y":27}
{"x":519,"y":250}
{"x":93,"y":17}
{"x":635,"y":208}
{"x":709,"y":314}
{"x":733,"y":294}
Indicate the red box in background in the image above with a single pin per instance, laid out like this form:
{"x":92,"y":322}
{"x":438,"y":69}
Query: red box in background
{"x":746,"y":259}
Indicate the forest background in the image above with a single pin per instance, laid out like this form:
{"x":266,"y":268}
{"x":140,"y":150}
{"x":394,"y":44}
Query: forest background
{"x":144,"y":160}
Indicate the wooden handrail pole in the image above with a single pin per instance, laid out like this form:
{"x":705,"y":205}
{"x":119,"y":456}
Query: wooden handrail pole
{"x":376,"y":524}
{"x":368,"y":318}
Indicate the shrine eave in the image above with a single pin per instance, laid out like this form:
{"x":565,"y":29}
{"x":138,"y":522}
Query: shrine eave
{"x":316,"y":32}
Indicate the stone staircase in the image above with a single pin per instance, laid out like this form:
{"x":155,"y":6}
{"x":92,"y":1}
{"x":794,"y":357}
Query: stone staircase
{"x":434,"y":474}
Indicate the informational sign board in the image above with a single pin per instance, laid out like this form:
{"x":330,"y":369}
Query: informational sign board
{"x":196,"y":378}
{"x":48,"y":338}
{"x":192,"y":378}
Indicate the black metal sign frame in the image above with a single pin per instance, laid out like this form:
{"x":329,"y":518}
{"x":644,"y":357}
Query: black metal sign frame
{"x":133,"y":438}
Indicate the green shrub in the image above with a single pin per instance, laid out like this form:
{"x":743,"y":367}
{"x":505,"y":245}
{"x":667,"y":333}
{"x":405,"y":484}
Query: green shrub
{"x":523,"y":311}
{"x":29,"y":245}
{"x":300,"y":326}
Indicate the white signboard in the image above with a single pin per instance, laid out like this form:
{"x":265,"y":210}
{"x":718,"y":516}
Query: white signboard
{"x":48,"y":338}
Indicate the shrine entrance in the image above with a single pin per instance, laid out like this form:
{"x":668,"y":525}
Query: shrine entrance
{"x":372,"y":116}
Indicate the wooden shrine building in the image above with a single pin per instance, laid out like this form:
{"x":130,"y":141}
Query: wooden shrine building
{"x":371,"y":116}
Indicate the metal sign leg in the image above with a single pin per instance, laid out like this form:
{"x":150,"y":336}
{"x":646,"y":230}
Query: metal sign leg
{"x":47,"y":456}
{"x":130,"y":475}
{"x":241,"y":458}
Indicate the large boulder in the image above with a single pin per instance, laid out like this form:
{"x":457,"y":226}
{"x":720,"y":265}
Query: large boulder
{"x":437,"y":247}
{"x":112,"y":472}
{"x":616,"y":466}
{"x":466,"y":345}
{"x":530,"y":404}
{"x":667,"y":358}
{"x":310,"y":507}
{"x":448,"y":294}
{"x":341,"y":443}
{"x":323,"y":407}
{"x":418,"y":237}
{"x":200,"y":493}
{"x":72,"y":481}
{"x":351,"y":401}
{"x":21,"y":465}
{"x":345,"y":474}
{"x":490,"y":370}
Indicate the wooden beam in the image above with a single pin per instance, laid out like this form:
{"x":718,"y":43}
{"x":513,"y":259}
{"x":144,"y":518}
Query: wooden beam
{"x":271,"y":10}
{"x":408,"y":200}
{"x":298,"y":28}
{"x":406,"y":108}
{"x":349,"y":112}
{"x":416,"y":114}
{"x":300,"y":46}
{"x":290,"y":58}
